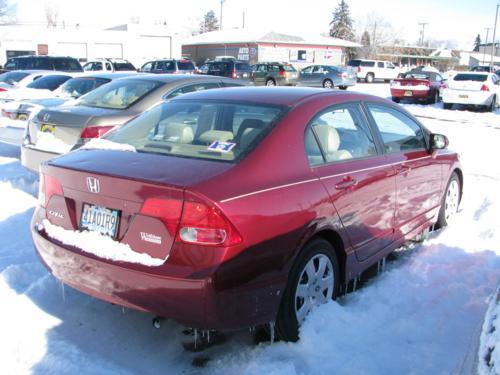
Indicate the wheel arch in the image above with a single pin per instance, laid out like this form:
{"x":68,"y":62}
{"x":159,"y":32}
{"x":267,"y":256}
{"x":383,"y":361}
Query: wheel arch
{"x":460,"y":175}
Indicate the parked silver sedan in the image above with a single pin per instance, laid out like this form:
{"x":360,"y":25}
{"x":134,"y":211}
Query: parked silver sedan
{"x":55,"y":131}
{"x":327,"y":76}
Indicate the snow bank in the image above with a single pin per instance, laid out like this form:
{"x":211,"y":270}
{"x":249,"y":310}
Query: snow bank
{"x":17,"y":202}
{"x":47,"y":142}
{"x":104,"y":144}
{"x":100,"y":245}
{"x":489,"y":349}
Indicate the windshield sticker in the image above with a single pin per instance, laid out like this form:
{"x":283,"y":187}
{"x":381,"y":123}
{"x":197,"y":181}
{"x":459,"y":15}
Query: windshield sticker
{"x":221,"y":146}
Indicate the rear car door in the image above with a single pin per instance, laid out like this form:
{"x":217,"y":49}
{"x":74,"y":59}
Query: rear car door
{"x":317,"y":75}
{"x":306,"y":76}
{"x":418,"y":179}
{"x":260,"y":74}
{"x":361,"y":183}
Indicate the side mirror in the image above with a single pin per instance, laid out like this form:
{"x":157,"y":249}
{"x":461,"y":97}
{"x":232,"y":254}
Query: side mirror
{"x":439,"y":141}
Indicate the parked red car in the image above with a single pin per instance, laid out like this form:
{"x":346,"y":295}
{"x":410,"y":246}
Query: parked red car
{"x":236,"y":207}
{"x":417,"y":85}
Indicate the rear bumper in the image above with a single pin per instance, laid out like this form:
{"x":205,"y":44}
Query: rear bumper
{"x":194,"y":301}
{"x":415,"y":94}
{"x":31,"y":158}
{"x":467,"y":97}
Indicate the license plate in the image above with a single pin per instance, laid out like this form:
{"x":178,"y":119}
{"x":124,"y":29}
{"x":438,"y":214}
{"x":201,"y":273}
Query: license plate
{"x":22,"y":116}
{"x":100,"y":219}
{"x":463,"y":96}
{"x":47,"y":128}
{"x":408,"y":93}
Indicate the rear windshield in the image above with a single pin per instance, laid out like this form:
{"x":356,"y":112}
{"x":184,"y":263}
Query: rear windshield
{"x":367,"y":63}
{"x":471,"y":77}
{"x":417,"y":75}
{"x":12,"y":78}
{"x":288,"y":68}
{"x":123,"y":66}
{"x":51,"y":82}
{"x":119,"y":94}
{"x":164,"y":65}
{"x":242,"y":66}
{"x":41,"y":63}
{"x":201,"y":130}
{"x":185,"y":65}
{"x":76,"y":87}
{"x":67,"y":65}
{"x":354,"y":63}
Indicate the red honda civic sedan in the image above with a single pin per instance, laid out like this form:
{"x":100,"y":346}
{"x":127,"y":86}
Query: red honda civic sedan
{"x":237,"y":207}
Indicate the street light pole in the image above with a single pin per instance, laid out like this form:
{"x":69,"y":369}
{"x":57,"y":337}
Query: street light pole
{"x":423,"y":30}
{"x":486,"y":43}
{"x":493,"y":45}
{"x":220,"y":21}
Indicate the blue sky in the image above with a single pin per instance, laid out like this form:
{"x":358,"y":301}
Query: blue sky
{"x":460,"y":20}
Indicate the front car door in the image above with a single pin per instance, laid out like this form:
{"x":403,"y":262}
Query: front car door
{"x":360,"y":182}
{"x":418,"y":179}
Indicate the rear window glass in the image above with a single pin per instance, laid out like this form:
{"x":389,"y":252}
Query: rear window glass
{"x":202,"y":130}
{"x":51,"y":82}
{"x":288,"y":68}
{"x":123,"y":66}
{"x":12,"y":77}
{"x":242,"y":66}
{"x":185,"y":65}
{"x":119,"y":94}
{"x":471,"y":77}
{"x":164,"y":65}
{"x":76,"y":87}
{"x":367,"y":63}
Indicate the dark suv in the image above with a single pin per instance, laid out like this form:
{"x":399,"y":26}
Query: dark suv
{"x":172,"y":66}
{"x":31,"y":62}
{"x":274,"y":74}
{"x":232,"y":69}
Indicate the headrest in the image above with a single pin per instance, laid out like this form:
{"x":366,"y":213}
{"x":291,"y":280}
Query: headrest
{"x":179,"y":133}
{"x":328,"y":137}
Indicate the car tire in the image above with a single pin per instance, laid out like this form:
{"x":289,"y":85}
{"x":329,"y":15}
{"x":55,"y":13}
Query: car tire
{"x":343,"y":87}
{"x":447,"y":105}
{"x":315,"y":254}
{"x":328,"y":84}
{"x":270,"y":82}
{"x":435,"y":98}
{"x":370,"y":77}
{"x":493,"y":105}
{"x":450,"y":201}
{"x":396,"y":100}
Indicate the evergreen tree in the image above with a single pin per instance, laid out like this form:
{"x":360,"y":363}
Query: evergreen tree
{"x":477,"y":43}
{"x":341,"y":25}
{"x":366,"y":50}
{"x":209,"y":22}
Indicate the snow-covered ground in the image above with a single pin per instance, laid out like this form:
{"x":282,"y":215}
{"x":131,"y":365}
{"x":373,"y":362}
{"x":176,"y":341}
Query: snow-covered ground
{"x":423,"y":315}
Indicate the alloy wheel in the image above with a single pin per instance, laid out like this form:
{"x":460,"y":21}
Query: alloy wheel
{"x":452,"y":200}
{"x":315,"y":285}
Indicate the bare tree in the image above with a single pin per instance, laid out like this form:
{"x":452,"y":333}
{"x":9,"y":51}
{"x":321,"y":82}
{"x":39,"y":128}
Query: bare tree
{"x":380,"y":31}
{"x":51,"y":14}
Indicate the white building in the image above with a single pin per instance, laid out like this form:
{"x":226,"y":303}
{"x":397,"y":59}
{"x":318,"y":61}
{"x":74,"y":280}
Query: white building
{"x":134,"y":42}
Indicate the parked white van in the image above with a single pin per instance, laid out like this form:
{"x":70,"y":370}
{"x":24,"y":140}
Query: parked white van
{"x":371,"y":70}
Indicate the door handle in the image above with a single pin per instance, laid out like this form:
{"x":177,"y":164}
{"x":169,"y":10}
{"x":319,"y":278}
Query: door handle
{"x":347,"y":183}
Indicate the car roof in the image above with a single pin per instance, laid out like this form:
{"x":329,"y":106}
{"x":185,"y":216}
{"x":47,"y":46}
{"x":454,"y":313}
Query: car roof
{"x":105,"y":75}
{"x":170,"y":78}
{"x":42,"y":57}
{"x":288,"y":96}
{"x":30,"y":71}
{"x":475,"y":73}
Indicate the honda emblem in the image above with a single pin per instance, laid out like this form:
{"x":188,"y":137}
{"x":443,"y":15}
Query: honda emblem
{"x":93,"y":185}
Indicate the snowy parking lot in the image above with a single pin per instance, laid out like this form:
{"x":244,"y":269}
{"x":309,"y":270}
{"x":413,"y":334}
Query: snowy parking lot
{"x":422,"y":315}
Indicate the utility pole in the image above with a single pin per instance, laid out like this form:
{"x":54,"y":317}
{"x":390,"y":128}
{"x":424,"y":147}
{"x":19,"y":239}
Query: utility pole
{"x":220,"y":20}
{"x":493,"y":45}
{"x":243,"y":23}
{"x":486,"y":43}
{"x":422,"y":32}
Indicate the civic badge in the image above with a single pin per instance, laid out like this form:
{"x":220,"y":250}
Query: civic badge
{"x":46,"y":117}
{"x":93,"y":185}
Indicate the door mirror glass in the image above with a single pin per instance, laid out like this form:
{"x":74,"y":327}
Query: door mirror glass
{"x":438,"y":141}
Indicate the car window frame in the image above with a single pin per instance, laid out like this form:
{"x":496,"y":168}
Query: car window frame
{"x":357,"y":105}
{"x":167,"y":96}
{"x":375,"y":129}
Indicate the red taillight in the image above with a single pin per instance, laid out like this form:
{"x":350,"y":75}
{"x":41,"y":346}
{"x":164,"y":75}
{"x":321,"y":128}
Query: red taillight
{"x":200,"y":223}
{"x":3,"y":89}
{"x":95,"y":131}
{"x":6,"y":113}
{"x":359,"y":69}
{"x":48,"y":187}
{"x":444,"y":85}
{"x":168,"y":210}
{"x":233,"y":75}
{"x":485,"y":88}
{"x":282,"y":73}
